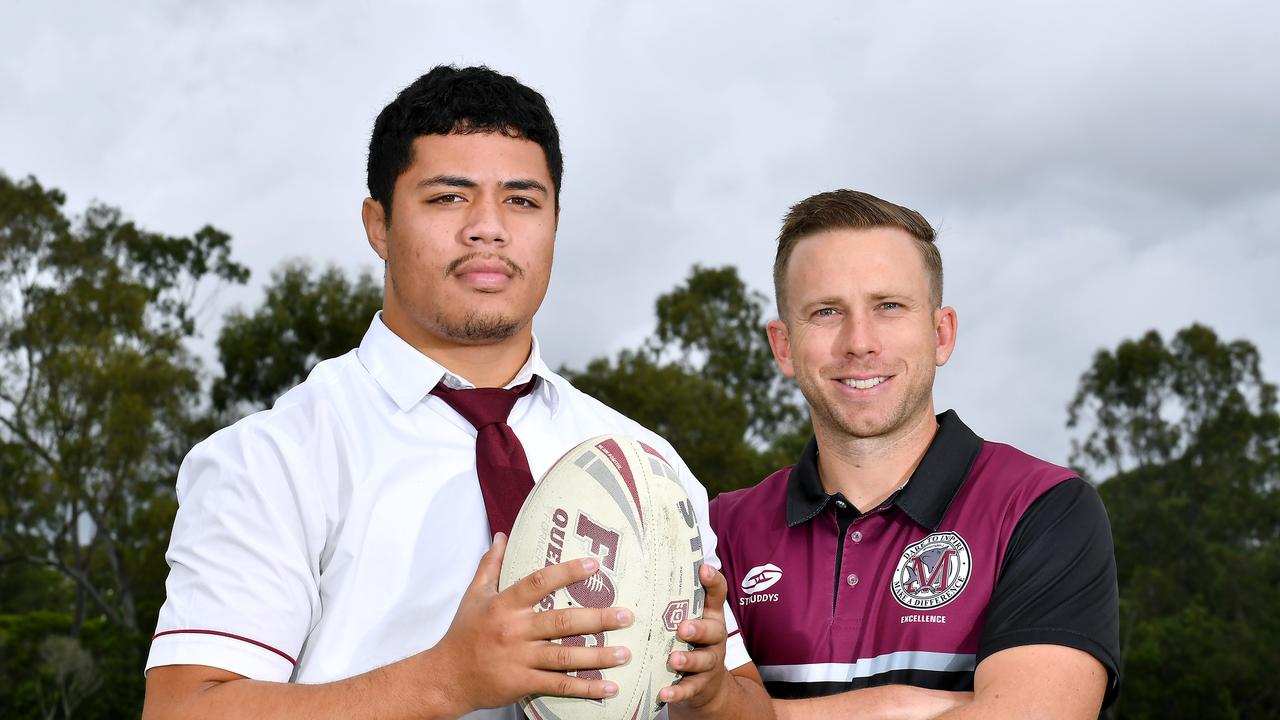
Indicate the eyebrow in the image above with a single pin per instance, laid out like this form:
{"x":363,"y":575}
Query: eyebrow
{"x":449,"y":180}
{"x":823,"y":301}
{"x":458,"y":181}
{"x":525,"y":184}
{"x":893,"y":295}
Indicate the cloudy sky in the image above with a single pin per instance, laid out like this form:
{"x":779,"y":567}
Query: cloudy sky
{"x":1097,"y":168}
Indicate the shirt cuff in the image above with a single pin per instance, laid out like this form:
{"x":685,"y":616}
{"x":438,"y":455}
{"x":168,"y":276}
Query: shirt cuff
{"x":225,"y":651}
{"x":735,"y":649}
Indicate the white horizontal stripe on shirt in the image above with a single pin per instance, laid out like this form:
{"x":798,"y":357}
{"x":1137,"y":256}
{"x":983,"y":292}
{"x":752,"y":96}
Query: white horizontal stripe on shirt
{"x":866,"y":667}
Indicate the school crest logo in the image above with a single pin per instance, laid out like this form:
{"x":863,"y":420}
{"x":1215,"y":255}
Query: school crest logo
{"x":932,"y":572}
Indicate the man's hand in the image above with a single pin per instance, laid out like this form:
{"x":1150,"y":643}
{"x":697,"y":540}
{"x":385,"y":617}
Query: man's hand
{"x":498,"y":649}
{"x":707,"y":688}
{"x":703,"y":668}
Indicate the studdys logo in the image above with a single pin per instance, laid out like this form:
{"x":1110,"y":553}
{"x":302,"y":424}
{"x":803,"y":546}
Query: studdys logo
{"x":761,"y":578}
{"x":932,"y":572}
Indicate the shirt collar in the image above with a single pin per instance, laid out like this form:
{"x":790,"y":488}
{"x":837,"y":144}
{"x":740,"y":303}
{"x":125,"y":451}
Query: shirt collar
{"x":928,"y":492}
{"x":408,"y":376}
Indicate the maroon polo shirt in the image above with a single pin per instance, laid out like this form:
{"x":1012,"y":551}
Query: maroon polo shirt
{"x":985,"y":548}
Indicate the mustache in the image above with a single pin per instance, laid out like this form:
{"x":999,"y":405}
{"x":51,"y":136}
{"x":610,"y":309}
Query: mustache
{"x":515,"y":269}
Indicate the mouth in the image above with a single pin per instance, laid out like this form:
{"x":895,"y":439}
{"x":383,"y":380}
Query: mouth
{"x":864,"y":383}
{"x":864,"y":386}
{"x":489,"y":273}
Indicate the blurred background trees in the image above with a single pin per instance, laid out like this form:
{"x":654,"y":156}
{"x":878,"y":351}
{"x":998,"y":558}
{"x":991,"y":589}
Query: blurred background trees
{"x":705,"y":380}
{"x":100,"y":400}
{"x":1184,"y":437}
{"x":302,"y":320}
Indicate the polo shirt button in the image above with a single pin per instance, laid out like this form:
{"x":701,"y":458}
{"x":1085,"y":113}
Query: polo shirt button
{"x":842,"y":504}
{"x":856,"y":536}
{"x":852,"y":579}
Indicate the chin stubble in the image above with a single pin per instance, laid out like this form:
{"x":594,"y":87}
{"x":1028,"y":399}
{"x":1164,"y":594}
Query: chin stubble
{"x":476,"y":328}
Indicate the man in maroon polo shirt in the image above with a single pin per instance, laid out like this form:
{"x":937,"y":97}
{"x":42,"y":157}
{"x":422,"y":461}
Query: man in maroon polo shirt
{"x":905,"y":567}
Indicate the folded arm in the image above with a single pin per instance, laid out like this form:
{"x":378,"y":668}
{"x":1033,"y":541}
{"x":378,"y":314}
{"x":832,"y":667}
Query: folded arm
{"x":886,"y":702}
{"x":1032,"y":681}
{"x":1035,"y":681}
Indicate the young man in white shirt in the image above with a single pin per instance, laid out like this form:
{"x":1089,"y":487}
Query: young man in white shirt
{"x":331,"y":556}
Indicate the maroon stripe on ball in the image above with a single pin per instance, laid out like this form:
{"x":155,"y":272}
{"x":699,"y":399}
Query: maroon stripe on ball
{"x":613,"y":451}
{"x":654,"y":453}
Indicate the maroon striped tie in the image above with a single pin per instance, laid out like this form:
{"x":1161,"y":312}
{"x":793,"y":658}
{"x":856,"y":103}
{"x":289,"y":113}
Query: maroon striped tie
{"x":503,"y":469}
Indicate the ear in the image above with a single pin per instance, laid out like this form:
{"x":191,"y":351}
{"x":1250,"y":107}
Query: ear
{"x":945,"y":327}
{"x":375,"y":226}
{"x":780,"y":342}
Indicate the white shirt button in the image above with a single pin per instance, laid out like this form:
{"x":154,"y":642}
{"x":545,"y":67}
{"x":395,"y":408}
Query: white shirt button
{"x":842,"y":504}
{"x":852,"y":579}
{"x":856,"y":536}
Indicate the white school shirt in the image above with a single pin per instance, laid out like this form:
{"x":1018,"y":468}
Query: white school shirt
{"x":336,"y":532}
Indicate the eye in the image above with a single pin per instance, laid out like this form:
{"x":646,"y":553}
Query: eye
{"x":447,"y":199}
{"x":890,"y":306}
{"x":522,"y":202}
{"x":825,"y":312}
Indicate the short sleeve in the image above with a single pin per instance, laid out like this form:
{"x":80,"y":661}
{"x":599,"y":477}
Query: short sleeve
{"x":1057,"y":585}
{"x":242,"y":592}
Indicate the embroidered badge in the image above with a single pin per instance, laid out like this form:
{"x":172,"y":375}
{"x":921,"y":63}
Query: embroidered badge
{"x":932,"y":572}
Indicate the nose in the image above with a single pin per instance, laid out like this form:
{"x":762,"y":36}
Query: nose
{"x":484,"y":223}
{"x":858,"y":335}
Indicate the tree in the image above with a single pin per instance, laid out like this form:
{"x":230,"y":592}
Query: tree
{"x":71,"y":675}
{"x":98,"y":395}
{"x":1189,"y":433}
{"x":714,"y":325}
{"x":301,"y":321}
{"x":703,"y":422}
{"x":706,"y":382}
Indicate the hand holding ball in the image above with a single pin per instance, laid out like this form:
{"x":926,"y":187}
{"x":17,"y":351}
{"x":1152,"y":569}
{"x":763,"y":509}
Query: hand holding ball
{"x":617,"y":500}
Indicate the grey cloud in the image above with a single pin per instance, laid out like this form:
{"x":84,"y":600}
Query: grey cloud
{"x":1097,"y":169}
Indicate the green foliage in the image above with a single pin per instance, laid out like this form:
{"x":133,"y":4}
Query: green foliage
{"x":44,"y":668}
{"x":302,"y":320}
{"x":719,"y":402}
{"x":1191,"y":432}
{"x":696,"y":415}
{"x":1147,"y":401}
{"x":717,"y":326}
{"x":99,"y":401}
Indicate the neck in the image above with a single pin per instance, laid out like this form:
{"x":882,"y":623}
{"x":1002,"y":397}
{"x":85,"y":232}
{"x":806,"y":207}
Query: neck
{"x":492,"y":364}
{"x":868,"y":470}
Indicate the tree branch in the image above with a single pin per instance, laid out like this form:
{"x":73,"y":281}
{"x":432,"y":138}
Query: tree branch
{"x":80,"y":579}
{"x":30,"y":443}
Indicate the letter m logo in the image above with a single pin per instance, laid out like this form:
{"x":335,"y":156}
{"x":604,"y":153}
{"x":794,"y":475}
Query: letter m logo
{"x":936,"y":579}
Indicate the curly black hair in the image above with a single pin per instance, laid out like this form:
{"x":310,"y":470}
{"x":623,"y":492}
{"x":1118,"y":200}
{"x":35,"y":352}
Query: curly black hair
{"x":448,"y":100}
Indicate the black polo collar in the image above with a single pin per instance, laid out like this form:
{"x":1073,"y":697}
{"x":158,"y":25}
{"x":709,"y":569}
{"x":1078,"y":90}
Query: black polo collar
{"x":928,"y":493}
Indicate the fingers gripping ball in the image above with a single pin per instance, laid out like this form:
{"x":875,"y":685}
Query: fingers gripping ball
{"x":617,"y":500}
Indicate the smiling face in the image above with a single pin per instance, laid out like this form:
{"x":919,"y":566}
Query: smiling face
{"x":468,"y":251}
{"x":860,"y":335}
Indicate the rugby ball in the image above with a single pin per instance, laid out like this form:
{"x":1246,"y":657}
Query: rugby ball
{"x":616,"y":499}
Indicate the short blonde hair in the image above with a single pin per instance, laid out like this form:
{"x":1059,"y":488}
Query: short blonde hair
{"x":853,"y":210}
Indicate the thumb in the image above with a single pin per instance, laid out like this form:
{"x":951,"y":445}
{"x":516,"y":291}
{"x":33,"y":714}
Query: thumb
{"x":717,"y":591}
{"x":490,"y":567}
